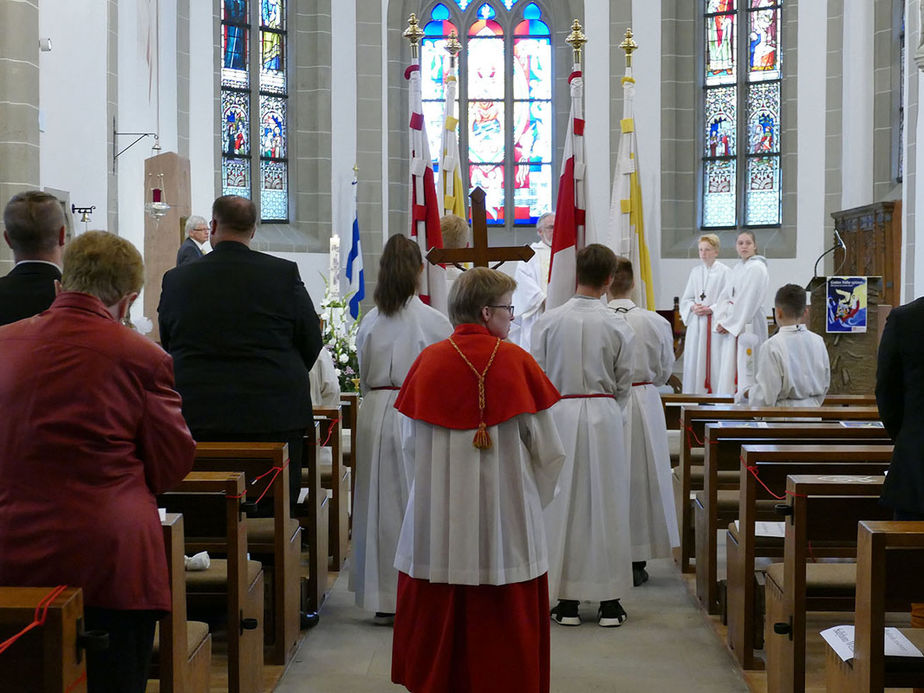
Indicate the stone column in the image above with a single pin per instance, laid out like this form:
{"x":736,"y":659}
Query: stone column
{"x":19,"y":104}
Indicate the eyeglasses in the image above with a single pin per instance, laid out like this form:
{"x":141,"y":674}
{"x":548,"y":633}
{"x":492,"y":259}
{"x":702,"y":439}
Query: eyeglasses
{"x":509,"y":309}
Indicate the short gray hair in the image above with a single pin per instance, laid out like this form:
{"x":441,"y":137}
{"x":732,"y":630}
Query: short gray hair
{"x":194,"y":221}
{"x":541,"y":220}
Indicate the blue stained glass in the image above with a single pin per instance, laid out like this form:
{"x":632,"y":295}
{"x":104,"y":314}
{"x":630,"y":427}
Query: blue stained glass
{"x":234,"y":47}
{"x":274,"y":195}
{"x":532,"y":131}
{"x":234,"y":11}
{"x":271,"y":58}
{"x":486,"y":12}
{"x":763,"y":191}
{"x":764,"y":118}
{"x":272,"y":14}
{"x":763,"y":45}
{"x":532,"y":192}
{"x":440,"y":12}
{"x":272,"y":127}
{"x":465,"y":3}
{"x":719,"y":193}
{"x":235,"y":177}
{"x":486,"y":131}
{"x":235,"y":118}
{"x":721,"y":121}
{"x":532,"y":11}
{"x":532,"y":68}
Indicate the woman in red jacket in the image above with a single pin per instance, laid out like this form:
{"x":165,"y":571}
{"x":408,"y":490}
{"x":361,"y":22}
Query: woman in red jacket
{"x":90,"y":430}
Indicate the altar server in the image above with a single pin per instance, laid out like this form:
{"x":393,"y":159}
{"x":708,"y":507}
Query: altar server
{"x":740,"y":316}
{"x":587,"y":352}
{"x":532,"y":279}
{"x":473,"y":599}
{"x":653,"y":518}
{"x":702,"y":344}
{"x":389,"y":338}
{"x":792,"y":367}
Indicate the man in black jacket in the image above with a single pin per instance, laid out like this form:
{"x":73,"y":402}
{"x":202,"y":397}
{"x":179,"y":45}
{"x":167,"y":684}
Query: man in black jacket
{"x":35,"y":229}
{"x":197,"y":233}
{"x":243,"y":334}
{"x":900,"y":397}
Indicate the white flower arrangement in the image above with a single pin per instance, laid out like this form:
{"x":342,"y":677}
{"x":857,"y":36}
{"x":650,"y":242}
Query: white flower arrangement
{"x":339,"y":336}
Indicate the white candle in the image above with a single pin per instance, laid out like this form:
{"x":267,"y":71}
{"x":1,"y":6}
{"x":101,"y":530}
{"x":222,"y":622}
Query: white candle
{"x":334,"y":266}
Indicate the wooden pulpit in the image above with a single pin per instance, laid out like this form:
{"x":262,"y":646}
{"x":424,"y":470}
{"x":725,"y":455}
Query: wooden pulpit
{"x":872,"y":235}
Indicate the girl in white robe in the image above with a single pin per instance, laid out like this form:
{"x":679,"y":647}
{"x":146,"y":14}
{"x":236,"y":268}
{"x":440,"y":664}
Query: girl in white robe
{"x":741,"y":315}
{"x":702,"y":345}
{"x":389,"y":339}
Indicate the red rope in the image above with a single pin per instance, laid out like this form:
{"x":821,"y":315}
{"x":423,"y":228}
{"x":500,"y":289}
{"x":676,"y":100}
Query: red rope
{"x":80,"y":679}
{"x":692,"y":434}
{"x":330,"y":432}
{"x":753,"y":471}
{"x":38,"y":618}
{"x":275,"y":471}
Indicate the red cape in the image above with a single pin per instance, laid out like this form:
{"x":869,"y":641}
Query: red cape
{"x":442,"y":390}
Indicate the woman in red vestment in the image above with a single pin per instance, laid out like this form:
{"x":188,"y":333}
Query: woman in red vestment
{"x":484,"y":455}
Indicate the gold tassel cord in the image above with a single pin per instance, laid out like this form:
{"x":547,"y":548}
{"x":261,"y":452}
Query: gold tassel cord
{"x":482,"y":440}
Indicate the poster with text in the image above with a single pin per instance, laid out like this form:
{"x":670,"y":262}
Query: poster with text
{"x":846,"y":309}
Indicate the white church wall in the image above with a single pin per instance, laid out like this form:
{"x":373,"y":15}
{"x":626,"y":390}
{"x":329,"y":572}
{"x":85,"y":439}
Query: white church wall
{"x":313,"y":269}
{"x":74,"y":155}
{"x":857,"y":142}
{"x":597,"y":114}
{"x":343,"y":117}
{"x":202,"y":108}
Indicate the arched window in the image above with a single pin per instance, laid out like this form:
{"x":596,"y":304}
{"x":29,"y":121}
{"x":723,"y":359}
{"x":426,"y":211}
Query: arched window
{"x":266,"y":95}
{"x":504,"y":103}
{"x":741,"y":166}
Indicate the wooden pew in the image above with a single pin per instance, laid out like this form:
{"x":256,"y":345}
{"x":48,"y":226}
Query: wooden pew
{"x":182,"y":649}
{"x":673,"y":402}
{"x":349,"y":404}
{"x":313,"y":516}
{"x":338,"y":481}
{"x":692,"y":422}
{"x":717,"y":504}
{"x":274,"y":540}
{"x":821,"y":521}
{"x":47,"y":658}
{"x":772,"y":464}
{"x":890,"y":563}
{"x":211,"y":504}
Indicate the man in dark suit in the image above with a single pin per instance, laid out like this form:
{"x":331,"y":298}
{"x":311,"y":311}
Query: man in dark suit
{"x":900,"y":397}
{"x":35,"y":230}
{"x":197,"y":236}
{"x":243,"y":334}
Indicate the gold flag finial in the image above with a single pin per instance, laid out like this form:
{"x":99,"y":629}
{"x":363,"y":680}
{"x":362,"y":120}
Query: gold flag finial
{"x":453,"y":46}
{"x":629,"y":45}
{"x":413,"y":34}
{"x":576,"y":39}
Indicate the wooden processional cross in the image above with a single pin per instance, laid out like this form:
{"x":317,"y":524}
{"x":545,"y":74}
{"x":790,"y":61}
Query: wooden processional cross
{"x":480,"y":255}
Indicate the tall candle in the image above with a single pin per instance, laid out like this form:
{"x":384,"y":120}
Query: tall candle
{"x":334,"y":279}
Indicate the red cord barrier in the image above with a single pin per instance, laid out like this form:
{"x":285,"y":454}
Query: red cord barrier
{"x":38,"y":618}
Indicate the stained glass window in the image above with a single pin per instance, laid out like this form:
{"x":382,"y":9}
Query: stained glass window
{"x":254,"y":110}
{"x":505,"y":80}
{"x":742,"y":185}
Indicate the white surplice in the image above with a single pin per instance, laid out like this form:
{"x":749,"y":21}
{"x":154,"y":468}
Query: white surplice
{"x":701,"y":345}
{"x":475,"y":516}
{"x":324,"y":385}
{"x":586,"y":350}
{"x":792,"y":370}
{"x":742,"y":310}
{"x":653,"y":517}
{"x":532,"y":280}
{"x":387,"y":346}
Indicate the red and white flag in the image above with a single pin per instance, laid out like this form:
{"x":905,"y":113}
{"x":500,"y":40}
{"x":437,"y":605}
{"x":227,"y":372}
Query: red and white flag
{"x":425,"y":207}
{"x":570,"y":217}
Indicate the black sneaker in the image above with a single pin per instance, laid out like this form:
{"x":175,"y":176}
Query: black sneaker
{"x":639,"y":574}
{"x":384,"y":619}
{"x":566,"y":613}
{"x":611,"y":614}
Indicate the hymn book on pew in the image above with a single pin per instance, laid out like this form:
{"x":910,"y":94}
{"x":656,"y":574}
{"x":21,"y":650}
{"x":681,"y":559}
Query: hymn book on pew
{"x":841,"y":639}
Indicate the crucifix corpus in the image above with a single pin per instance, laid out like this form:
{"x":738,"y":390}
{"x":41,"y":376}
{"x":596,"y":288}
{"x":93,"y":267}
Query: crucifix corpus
{"x":480,"y":255}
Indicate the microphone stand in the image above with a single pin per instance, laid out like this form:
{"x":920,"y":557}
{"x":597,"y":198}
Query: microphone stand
{"x":837,"y":244}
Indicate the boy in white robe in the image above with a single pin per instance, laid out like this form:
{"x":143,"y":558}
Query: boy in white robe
{"x":792,"y":368}
{"x":532,"y":279}
{"x":653,"y":519}
{"x":587,"y":351}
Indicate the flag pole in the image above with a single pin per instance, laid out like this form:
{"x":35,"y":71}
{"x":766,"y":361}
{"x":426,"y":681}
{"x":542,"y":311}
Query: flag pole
{"x":453,"y":201}
{"x":576,"y":39}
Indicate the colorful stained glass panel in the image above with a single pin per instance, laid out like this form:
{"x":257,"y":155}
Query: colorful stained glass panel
{"x":713,"y":6}
{"x":234,"y":57}
{"x":433,"y":118}
{"x":720,"y":49}
{"x":719,"y":193}
{"x":235,"y":118}
{"x":755,"y":4}
{"x":486,"y":131}
{"x":763,"y":45}
{"x":764,"y":118}
{"x":235,"y":177}
{"x":486,"y":28}
{"x":274,"y":195}
{"x":721,"y":122}
{"x":272,"y":127}
{"x":272,"y":62}
{"x":491,"y":180}
{"x":485,"y":68}
{"x":234,"y":11}
{"x":272,"y":14}
{"x":532,"y":192}
{"x":433,"y":61}
{"x":532,"y":68}
{"x":763,"y":191}
{"x":532,"y":131}
{"x":465,"y":3}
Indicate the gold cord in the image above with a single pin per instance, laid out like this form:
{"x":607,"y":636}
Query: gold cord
{"x":482,"y":440}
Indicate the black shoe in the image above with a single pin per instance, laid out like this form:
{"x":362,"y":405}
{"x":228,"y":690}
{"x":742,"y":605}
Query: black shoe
{"x":383,"y":618}
{"x":611,"y":614}
{"x":566,"y":613}
{"x":309,"y":619}
{"x":639,"y":574}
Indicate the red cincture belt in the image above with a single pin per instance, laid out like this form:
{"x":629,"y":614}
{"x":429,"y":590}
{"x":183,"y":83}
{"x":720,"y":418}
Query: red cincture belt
{"x":708,"y":382}
{"x":647,"y":382}
{"x":594,"y":396}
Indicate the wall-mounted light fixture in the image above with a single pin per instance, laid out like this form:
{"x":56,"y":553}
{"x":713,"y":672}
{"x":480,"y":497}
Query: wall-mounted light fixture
{"x":155,"y":150}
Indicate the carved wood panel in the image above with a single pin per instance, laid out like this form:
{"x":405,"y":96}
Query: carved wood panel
{"x":873,"y":237}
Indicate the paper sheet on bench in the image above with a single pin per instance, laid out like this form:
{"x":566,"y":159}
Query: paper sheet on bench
{"x":740,"y":424}
{"x":767,"y":529}
{"x":862,"y":424}
{"x":162,"y":512}
{"x":840,"y":638}
{"x":303,"y":495}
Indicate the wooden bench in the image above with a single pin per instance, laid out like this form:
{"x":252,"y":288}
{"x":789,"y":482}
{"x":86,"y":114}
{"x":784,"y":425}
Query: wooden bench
{"x":275,"y":540}
{"x":211,"y":504}
{"x":313,"y":514}
{"x":771,"y":464}
{"x":349,"y":405}
{"x":182,"y":649}
{"x":337,"y":479}
{"x":821,"y":521}
{"x":47,"y":658}
{"x":693,"y":421}
{"x":890,"y":563}
{"x":717,"y":504}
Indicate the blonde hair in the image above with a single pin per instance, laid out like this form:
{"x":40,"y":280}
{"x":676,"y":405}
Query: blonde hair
{"x":711,"y":239}
{"x":103,"y":265}
{"x":454,"y":230}
{"x":475,"y":289}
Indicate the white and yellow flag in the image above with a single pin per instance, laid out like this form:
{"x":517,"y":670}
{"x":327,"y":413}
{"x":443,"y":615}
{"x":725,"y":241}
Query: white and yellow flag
{"x":449,"y":164}
{"x":627,"y":224}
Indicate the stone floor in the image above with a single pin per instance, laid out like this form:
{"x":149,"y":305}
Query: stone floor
{"x":667,"y":645}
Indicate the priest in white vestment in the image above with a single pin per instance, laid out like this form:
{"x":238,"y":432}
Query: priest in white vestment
{"x":740,"y":314}
{"x":532,"y":279}
{"x":792,"y":368}
{"x":702,"y":345}
{"x":653,"y":517}
{"x":390,"y":337}
{"x":587,"y":352}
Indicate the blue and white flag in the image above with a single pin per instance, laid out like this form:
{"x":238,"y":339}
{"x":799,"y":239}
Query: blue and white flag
{"x":354,"y":264}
